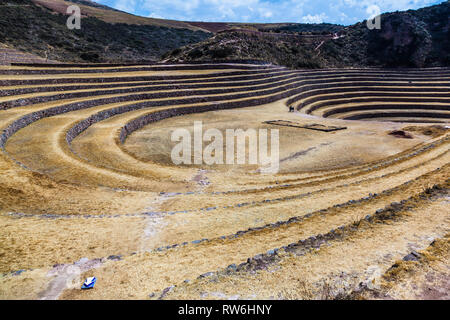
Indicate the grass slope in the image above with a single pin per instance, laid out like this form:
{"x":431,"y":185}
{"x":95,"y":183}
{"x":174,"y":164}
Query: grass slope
{"x":42,"y":31}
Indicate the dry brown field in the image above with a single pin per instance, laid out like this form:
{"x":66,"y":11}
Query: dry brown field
{"x":87,"y":183}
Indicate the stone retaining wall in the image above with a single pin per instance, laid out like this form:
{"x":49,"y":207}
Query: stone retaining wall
{"x":136,"y":69}
{"x":37,"y":115}
{"x":22,"y":102}
{"x":386,"y":107}
{"x":160,"y":85}
{"x":315,"y":81}
{"x":351,"y":92}
{"x":154,"y":63}
{"x":226,"y":76}
{"x":314,"y":84}
{"x":434,"y":115}
{"x":259,"y":79}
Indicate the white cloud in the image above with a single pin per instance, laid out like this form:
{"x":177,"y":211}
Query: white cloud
{"x":318,"y":18}
{"x":154,"y":15}
{"x":310,"y":11}
{"x":388,"y":5}
{"x":227,"y":10}
{"x":265,"y":13}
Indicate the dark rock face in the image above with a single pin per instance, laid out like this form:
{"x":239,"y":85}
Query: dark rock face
{"x":414,"y":38}
{"x":402,"y":41}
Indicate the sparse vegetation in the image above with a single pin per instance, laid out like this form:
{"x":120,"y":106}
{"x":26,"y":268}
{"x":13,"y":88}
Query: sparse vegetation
{"x":38,"y":30}
{"x":287,"y":50}
{"x":415,"y":38}
{"x":303,"y":28}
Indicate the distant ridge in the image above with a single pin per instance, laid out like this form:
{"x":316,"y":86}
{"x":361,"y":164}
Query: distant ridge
{"x":413,"y":38}
{"x":38,"y":27}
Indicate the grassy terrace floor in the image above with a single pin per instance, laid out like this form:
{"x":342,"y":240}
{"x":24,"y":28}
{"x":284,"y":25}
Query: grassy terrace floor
{"x":87,"y":181}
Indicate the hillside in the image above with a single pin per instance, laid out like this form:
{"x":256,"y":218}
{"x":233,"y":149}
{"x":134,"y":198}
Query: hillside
{"x":292,"y":50}
{"x":315,"y":28}
{"x":31,"y":27}
{"x":414,"y":38}
{"x":38,"y":27}
{"x":111,"y":15}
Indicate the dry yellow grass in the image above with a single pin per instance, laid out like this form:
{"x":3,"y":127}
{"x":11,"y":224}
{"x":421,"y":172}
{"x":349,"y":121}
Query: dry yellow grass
{"x":326,"y":273}
{"x":97,"y":198}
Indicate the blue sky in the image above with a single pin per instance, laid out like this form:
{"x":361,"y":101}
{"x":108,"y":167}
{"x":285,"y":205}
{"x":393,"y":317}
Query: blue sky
{"x":306,"y":11}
